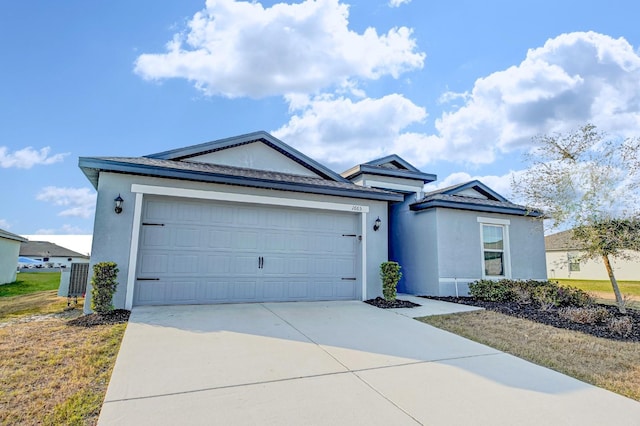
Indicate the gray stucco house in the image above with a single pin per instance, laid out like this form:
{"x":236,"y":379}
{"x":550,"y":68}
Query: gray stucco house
{"x":249,"y":219}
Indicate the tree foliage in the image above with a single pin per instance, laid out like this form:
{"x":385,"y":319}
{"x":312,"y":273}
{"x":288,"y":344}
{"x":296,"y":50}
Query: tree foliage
{"x":586,"y":181}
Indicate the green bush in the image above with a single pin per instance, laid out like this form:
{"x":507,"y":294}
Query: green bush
{"x":543,"y":293}
{"x":492,"y":291}
{"x":103,"y":285}
{"x":390,"y":275}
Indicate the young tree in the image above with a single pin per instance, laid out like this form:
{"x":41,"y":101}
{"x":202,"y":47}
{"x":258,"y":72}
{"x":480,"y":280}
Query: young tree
{"x":586,"y":181}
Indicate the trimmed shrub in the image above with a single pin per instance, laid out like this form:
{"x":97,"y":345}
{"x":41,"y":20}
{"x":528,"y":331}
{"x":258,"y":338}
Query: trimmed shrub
{"x":390,"y":275}
{"x":622,"y":326}
{"x":103,"y":285}
{"x":581,"y":315}
{"x":544,"y":293}
{"x":492,"y":291}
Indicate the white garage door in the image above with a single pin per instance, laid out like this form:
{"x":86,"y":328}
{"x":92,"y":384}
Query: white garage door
{"x":194,"y":252}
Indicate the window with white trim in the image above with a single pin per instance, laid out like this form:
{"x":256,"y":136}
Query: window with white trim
{"x":495,"y":248}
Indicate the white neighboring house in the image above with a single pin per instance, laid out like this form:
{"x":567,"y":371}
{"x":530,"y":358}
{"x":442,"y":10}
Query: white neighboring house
{"x":80,"y":243}
{"x":9,"y":252}
{"x":51,"y":254}
{"x":564,"y":261}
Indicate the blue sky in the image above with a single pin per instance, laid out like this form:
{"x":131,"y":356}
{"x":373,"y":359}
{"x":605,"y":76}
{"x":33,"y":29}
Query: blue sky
{"x":457,"y":88}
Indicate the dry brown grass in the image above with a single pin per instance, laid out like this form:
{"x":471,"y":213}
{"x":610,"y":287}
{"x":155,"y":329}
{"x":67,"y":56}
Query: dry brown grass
{"x":53,"y":373}
{"x":609,"y":364}
{"x":42,"y":302}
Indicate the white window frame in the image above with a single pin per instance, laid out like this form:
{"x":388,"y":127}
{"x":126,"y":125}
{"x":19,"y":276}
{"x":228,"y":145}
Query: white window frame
{"x":506,"y":249}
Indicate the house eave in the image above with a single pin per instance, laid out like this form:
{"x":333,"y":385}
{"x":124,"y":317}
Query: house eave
{"x":474,"y":207}
{"x":93,"y":166}
{"x":379,"y":171}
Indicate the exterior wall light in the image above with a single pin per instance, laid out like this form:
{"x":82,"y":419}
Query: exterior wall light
{"x":118,"y":200}
{"x":377,"y":224}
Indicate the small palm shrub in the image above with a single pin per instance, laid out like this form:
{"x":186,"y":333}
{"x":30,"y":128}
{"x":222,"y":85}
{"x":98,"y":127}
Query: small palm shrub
{"x":390,"y":275}
{"x":103,"y":285}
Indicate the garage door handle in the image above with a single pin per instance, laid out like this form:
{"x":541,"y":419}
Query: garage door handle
{"x":260,"y":262}
{"x":148,"y":279}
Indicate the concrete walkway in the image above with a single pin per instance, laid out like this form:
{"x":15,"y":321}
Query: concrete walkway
{"x":335,"y":363}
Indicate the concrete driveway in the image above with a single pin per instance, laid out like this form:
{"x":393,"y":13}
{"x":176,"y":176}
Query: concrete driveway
{"x":337,"y":363}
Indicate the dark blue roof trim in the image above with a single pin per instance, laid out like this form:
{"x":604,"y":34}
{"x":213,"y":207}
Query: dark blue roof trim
{"x":393,"y":158}
{"x":262,"y":136}
{"x":93,"y":166}
{"x":511,"y":210}
{"x":475,"y":185}
{"x":381,"y":171}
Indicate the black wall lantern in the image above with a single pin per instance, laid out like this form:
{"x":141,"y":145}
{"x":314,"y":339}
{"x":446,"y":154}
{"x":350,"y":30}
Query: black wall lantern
{"x":377,"y":224}
{"x":118,"y":200}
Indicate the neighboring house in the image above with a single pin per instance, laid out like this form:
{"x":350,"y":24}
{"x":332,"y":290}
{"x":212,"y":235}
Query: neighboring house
{"x":249,"y":219}
{"x":79,"y":243}
{"x":565,"y":260}
{"x":9,"y":252}
{"x":51,"y":254}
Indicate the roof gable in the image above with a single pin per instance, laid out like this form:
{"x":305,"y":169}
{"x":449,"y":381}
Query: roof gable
{"x":472,"y":189}
{"x":392,"y":166}
{"x":211,"y":152}
{"x":474,"y":196}
{"x":393,"y":161}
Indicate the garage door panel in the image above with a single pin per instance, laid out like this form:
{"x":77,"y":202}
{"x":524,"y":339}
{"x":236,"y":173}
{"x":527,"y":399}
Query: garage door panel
{"x":244,"y":290}
{"x":182,"y":291}
{"x":184,"y":264}
{"x":209,"y":252}
{"x":153,"y":264}
{"x":244,"y":240}
{"x":219,"y":239}
{"x":218,"y":263}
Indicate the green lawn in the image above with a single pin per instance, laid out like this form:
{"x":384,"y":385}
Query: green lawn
{"x":631,"y":288}
{"x":31,"y":282}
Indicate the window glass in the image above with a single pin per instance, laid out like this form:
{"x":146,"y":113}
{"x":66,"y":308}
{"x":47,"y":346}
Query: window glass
{"x":493,"y":263}
{"x":492,"y":237}
{"x":493,"y":250}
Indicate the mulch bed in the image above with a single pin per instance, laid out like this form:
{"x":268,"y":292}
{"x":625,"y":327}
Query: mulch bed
{"x":379,"y":302}
{"x":550,"y":316}
{"x":116,"y":316}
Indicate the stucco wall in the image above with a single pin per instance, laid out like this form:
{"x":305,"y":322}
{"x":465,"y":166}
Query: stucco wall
{"x":414,"y":246}
{"x":594,"y":269}
{"x":440,"y":249}
{"x":112,"y":232}
{"x":460,"y":259}
{"x":9,"y":251}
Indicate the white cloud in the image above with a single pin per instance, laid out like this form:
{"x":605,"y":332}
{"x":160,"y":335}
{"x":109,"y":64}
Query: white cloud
{"x":398,"y":3}
{"x":78,"y":202}
{"x":28,"y":157}
{"x":236,"y":48}
{"x":63,"y":230}
{"x":573,"y":79}
{"x":342,"y":132}
{"x":4,"y":224}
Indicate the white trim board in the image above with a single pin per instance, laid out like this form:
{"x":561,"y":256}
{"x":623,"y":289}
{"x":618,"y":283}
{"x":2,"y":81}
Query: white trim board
{"x":245,"y":198}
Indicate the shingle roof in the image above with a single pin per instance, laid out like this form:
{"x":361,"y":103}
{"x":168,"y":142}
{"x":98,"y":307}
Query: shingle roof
{"x":207,"y":172}
{"x":46,"y":249}
{"x":9,"y":236}
{"x":447,"y":197}
{"x":561,"y":241}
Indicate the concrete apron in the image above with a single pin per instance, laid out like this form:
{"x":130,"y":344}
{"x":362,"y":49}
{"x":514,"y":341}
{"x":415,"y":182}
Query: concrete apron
{"x":332,"y":363}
